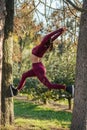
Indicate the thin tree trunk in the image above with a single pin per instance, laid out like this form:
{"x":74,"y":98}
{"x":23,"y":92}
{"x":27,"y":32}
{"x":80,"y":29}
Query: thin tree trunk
{"x":2,"y":22}
{"x":79,"y":120}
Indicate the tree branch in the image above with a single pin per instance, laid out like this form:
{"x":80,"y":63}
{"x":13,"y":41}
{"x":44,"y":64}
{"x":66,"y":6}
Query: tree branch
{"x":76,"y":7}
{"x":70,"y":9}
{"x":49,"y":6}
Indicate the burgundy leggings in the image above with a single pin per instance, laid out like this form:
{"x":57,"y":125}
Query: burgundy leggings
{"x":39,"y":71}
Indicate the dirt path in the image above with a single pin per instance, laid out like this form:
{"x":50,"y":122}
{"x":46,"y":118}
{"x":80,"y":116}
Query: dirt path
{"x":53,"y":104}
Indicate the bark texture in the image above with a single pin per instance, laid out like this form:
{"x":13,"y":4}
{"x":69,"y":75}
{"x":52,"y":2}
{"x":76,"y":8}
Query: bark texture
{"x":7,"y":113}
{"x":79,"y":120}
{"x":2,"y":22}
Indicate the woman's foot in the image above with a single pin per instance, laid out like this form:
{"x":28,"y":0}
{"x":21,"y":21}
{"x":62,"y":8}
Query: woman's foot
{"x":70,"y":89}
{"x":14,"y":91}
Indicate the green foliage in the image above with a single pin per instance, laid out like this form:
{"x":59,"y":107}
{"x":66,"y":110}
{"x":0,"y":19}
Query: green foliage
{"x":60,"y":69}
{"x":60,"y":63}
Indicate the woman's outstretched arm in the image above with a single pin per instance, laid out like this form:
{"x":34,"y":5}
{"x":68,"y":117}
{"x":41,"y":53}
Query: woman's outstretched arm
{"x":53,"y":35}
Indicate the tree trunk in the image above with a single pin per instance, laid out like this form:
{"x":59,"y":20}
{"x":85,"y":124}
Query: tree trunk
{"x":6,"y":102}
{"x":79,"y":120}
{"x":2,"y":22}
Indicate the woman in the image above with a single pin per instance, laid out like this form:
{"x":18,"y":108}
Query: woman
{"x":38,"y":70}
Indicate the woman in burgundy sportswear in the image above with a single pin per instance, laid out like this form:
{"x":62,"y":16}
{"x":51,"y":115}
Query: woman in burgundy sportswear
{"x":38,"y":69}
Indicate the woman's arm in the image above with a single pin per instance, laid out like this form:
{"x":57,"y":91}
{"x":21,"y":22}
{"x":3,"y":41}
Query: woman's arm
{"x":53,"y":35}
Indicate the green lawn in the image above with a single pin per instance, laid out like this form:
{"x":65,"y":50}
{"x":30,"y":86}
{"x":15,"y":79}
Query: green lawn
{"x":29,"y":116}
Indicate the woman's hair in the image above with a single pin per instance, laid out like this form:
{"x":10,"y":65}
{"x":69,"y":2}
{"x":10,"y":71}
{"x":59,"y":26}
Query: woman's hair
{"x":49,"y":44}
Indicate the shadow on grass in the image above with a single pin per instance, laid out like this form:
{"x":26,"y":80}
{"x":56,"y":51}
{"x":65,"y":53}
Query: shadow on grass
{"x":29,"y":110}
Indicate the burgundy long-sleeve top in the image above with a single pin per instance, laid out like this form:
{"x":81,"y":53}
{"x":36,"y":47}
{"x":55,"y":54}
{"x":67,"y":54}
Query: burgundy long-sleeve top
{"x":42,"y":47}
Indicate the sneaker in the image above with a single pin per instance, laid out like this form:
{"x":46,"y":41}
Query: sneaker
{"x":14,"y":91}
{"x":70,"y":89}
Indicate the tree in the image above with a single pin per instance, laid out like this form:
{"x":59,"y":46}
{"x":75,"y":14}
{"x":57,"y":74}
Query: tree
{"x":79,"y":121}
{"x":6,"y":102}
{"x":2,"y":21}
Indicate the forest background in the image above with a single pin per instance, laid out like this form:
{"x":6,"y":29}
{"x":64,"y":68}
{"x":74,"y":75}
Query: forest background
{"x":32,"y":20}
{"x":30,"y":25}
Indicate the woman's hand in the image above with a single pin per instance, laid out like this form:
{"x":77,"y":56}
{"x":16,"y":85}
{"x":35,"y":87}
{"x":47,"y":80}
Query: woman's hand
{"x":64,"y":29}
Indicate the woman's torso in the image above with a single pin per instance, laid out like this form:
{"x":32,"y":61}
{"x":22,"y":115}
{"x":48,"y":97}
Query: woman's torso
{"x":35,"y":59}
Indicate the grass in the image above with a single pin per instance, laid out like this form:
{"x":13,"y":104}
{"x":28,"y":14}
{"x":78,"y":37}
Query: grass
{"x":29,"y":116}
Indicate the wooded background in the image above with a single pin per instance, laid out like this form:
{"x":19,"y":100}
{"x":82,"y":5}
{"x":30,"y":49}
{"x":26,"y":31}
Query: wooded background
{"x":22,"y":25}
